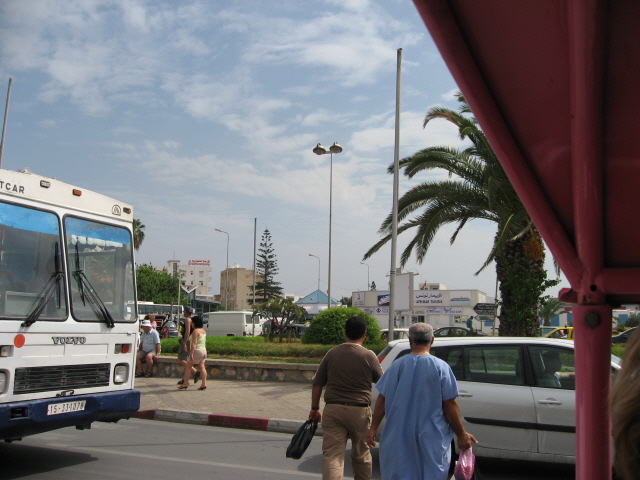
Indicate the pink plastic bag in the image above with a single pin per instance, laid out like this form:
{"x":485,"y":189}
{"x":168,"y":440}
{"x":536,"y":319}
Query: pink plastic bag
{"x":465,"y":465}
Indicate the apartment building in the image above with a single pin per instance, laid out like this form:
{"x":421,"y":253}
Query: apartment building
{"x":235,"y":288}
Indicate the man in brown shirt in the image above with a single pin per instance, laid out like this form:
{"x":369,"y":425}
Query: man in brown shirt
{"x":346,"y":372}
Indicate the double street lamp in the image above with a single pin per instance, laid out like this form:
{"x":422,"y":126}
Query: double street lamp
{"x":320,"y":150}
{"x":226,"y":295}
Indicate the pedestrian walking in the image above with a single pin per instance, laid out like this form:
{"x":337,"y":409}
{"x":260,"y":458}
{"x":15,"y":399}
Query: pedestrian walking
{"x":346,"y":373}
{"x":197,"y":354}
{"x":185,"y":329}
{"x":418,"y":396}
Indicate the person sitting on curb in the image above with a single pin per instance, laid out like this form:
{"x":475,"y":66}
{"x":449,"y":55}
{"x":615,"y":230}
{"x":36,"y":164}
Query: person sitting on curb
{"x":148,"y":350}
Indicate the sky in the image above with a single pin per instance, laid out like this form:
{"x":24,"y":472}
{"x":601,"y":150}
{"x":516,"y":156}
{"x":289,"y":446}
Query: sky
{"x":203,"y":115}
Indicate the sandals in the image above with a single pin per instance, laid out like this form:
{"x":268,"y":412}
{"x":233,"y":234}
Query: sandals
{"x":202,"y":388}
{"x":183,"y":387}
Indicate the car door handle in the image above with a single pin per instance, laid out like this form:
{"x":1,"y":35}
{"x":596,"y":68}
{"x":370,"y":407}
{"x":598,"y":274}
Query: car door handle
{"x":465,"y":394}
{"x":550,"y":401}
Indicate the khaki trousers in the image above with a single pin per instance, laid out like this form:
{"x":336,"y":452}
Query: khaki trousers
{"x":339,"y":423}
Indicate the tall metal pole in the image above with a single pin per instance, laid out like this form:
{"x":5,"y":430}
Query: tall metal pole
{"x":368,"y":284}
{"x":4,"y":124}
{"x":255,"y":226}
{"x":255,"y":230}
{"x":394,"y":227}
{"x":226,"y":295}
{"x":330,"y":208}
{"x":320,"y":150}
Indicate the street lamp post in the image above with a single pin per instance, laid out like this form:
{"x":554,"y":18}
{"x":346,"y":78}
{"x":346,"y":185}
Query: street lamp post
{"x":226,"y":288}
{"x":312,"y":255}
{"x":368,"y":284}
{"x":320,"y":150}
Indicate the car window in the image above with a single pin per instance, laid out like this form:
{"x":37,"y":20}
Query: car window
{"x":553,"y":367}
{"x":454,"y":357}
{"x":441,"y":332}
{"x":500,"y":364}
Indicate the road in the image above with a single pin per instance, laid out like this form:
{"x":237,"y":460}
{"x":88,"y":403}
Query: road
{"x":160,"y":450}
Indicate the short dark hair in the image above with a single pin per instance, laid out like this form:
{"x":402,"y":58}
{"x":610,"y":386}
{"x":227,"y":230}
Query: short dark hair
{"x":197,"y":321}
{"x":355,"y":327}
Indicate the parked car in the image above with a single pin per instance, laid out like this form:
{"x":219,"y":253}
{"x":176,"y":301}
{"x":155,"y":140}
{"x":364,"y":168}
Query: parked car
{"x":457,"y":332}
{"x":296,"y":330}
{"x":624,"y":336}
{"x":398,"y":333}
{"x":504,"y":398}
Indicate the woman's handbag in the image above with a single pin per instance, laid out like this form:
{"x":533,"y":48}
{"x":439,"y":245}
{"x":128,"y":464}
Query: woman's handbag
{"x":301,"y":439}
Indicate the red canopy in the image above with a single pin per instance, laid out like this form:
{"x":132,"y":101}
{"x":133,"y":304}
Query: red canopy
{"x":553,"y":85}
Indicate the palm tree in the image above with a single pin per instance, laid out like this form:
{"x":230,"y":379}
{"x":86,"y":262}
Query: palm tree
{"x":477,"y":188}
{"x":138,"y":233}
{"x":549,"y":308}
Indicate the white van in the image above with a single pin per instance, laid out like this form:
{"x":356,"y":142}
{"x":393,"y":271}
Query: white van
{"x":233,"y":324}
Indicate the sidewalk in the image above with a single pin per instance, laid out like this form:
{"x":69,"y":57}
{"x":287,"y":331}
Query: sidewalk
{"x":272,"y":406}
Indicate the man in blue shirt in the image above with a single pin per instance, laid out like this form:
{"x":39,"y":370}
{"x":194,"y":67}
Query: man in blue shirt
{"x":418,"y":395}
{"x":149,"y":348}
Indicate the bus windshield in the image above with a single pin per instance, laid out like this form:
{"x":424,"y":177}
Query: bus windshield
{"x":30,"y":264}
{"x":101,"y":279}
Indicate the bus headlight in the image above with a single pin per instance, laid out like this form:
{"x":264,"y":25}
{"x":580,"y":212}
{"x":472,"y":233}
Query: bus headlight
{"x":120,"y":373}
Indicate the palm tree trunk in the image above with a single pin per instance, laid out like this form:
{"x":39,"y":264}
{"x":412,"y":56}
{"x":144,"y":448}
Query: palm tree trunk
{"x":522,"y":277}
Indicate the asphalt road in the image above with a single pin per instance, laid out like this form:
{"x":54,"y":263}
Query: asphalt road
{"x":162,"y":450}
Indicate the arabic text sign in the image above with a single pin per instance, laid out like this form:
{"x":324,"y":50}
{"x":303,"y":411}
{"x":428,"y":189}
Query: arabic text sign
{"x":425,"y":297}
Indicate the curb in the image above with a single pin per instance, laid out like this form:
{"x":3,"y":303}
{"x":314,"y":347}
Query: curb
{"x":229,"y":421}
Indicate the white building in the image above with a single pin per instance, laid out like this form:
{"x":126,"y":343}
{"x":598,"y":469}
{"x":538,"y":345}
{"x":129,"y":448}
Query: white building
{"x":432,"y":303}
{"x":195,"y":274}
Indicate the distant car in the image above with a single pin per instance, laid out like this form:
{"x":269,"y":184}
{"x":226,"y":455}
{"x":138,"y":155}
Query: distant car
{"x":398,"y":333}
{"x":296,"y":330}
{"x":456,"y":332}
{"x":558,"y":332}
{"x":624,"y":336}
{"x":505,"y":397}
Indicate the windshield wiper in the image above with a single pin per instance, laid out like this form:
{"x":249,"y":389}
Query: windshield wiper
{"x":52,"y":286}
{"x":89,"y":293}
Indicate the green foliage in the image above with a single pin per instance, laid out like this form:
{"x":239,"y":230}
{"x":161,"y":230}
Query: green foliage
{"x":256,"y":348}
{"x":632,"y":321}
{"x":549,"y":308}
{"x":327,"y":327}
{"x":267,"y":268}
{"x":157,"y":286}
{"x":523,"y":285}
{"x":282,"y":312}
{"x":138,"y":233}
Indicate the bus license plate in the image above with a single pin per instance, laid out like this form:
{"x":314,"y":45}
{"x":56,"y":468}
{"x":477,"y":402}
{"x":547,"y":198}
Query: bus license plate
{"x":66,"y":407}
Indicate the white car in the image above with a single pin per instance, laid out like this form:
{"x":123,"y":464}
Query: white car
{"x":506,"y":401}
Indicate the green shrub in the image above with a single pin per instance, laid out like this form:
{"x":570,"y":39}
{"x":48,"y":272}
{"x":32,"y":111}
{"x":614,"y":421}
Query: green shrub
{"x":327,"y":327}
{"x":632,"y":321}
{"x":256,"y":348}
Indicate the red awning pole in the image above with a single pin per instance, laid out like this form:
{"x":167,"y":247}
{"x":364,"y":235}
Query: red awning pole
{"x":592,"y":333}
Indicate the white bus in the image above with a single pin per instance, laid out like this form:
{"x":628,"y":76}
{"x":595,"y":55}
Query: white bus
{"x":68,"y":318}
{"x":147,"y":308}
